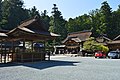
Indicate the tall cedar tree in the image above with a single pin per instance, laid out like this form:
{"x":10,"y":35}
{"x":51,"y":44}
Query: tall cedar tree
{"x":96,"y":27}
{"x":34,"y":12}
{"x":116,"y":22}
{"x":106,"y":19}
{"x":45,"y":18}
{"x":58,"y":23}
{"x":13,"y":13}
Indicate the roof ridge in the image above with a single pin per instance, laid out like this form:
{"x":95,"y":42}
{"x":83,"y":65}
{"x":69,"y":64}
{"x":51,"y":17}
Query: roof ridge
{"x":116,"y":37}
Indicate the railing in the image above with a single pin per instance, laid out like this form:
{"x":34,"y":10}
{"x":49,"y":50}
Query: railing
{"x":29,"y":57}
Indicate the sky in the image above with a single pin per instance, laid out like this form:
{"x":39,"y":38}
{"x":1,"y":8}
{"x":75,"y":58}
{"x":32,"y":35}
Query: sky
{"x":70,"y":8}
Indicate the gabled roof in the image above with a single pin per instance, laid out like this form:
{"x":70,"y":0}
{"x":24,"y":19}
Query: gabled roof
{"x":82,"y":35}
{"x":102,"y":39}
{"x":33,"y":27}
{"x":78,"y":36}
{"x":117,"y":38}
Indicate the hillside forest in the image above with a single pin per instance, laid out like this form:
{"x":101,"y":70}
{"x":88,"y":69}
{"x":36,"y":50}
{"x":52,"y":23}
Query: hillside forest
{"x":103,"y":21}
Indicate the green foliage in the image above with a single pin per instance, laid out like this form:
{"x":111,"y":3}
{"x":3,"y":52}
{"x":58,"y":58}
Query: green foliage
{"x":79,"y":23}
{"x":92,"y":45}
{"x":57,"y":23}
{"x":89,"y":45}
{"x":99,"y":21}
{"x":106,"y":18}
{"x":12,"y":13}
{"x":100,"y":47}
{"x":34,"y":12}
{"x":46,"y":19}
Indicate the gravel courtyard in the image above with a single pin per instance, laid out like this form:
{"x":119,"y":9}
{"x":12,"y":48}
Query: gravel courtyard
{"x":63,"y":68}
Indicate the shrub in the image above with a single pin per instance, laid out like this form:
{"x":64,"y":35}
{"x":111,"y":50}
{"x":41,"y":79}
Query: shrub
{"x":92,"y":45}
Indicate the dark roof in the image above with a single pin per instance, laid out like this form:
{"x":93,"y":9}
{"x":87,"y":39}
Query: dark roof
{"x":117,"y":38}
{"x":31,"y":27}
{"x":3,"y":33}
{"x":78,"y":36}
{"x":107,"y":38}
{"x":102,"y":39}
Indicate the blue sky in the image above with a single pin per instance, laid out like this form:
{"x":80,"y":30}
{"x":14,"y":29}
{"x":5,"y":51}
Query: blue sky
{"x":70,"y":8}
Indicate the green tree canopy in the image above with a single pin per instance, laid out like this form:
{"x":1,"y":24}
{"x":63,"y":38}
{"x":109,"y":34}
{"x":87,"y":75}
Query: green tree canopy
{"x":34,"y":12}
{"x":13,"y":13}
{"x":106,"y":18}
{"x":57,"y":23}
{"x":45,"y":18}
{"x":92,"y":45}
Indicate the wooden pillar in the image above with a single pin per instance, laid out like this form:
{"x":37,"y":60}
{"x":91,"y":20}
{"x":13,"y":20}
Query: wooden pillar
{"x":13,"y":50}
{"x":1,"y":51}
{"x":48,"y":53}
{"x":22,"y":57}
{"x":23,"y":45}
{"x":32,"y":46}
{"x":44,"y":51}
{"x":22,"y":54}
{"x":5,"y":52}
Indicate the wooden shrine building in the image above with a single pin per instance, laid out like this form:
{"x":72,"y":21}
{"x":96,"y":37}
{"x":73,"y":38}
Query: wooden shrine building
{"x":29,"y":32}
{"x":114,"y":44}
{"x":74,"y":41}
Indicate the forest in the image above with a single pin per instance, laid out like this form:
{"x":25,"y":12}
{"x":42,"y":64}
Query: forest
{"x":103,"y":21}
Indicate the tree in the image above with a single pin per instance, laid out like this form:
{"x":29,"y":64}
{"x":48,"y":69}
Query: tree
{"x":13,"y":13}
{"x":4,"y":13}
{"x":34,"y":12}
{"x":92,"y":46}
{"x":71,"y":26}
{"x":80,"y":23}
{"x":57,"y":23}
{"x":116,"y":22}
{"x":46,"y":19}
{"x":106,"y":18}
{"x":96,"y":27}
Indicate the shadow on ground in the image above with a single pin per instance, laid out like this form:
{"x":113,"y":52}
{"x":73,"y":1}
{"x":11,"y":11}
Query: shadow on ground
{"x":42,"y":64}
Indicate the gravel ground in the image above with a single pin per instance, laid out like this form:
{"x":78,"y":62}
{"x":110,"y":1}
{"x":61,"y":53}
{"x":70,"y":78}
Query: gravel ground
{"x":63,"y":68}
